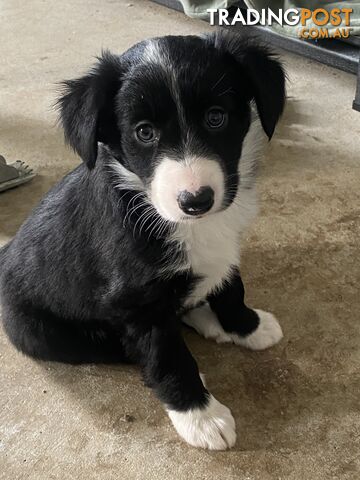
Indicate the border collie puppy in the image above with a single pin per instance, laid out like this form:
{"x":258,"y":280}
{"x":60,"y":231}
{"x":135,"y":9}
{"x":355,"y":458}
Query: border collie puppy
{"x":145,"y":233}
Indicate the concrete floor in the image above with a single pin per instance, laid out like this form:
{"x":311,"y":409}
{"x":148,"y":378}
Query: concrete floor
{"x":296,"y":406}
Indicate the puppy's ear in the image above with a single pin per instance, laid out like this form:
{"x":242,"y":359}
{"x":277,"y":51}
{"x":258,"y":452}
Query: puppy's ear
{"x":87,"y":107}
{"x":265,"y":74}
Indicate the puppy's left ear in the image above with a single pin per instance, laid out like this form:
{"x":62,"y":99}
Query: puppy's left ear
{"x":265,"y":76}
{"x":87,"y":110}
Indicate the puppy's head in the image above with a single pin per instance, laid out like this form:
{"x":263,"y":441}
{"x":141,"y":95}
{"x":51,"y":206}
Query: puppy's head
{"x":174,"y":112}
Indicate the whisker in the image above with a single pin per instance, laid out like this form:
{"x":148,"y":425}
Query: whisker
{"x":229,"y":90}
{"x":130,"y":211}
{"x":220,"y":79}
{"x":154,"y":222}
{"x":147,"y":215}
{"x":137,"y":221}
{"x":146,"y":219}
{"x":163,"y":228}
{"x":141,"y":217}
{"x":156,"y":228}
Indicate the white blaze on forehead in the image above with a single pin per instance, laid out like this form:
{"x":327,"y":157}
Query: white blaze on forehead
{"x":172,"y":177}
{"x":156,"y":53}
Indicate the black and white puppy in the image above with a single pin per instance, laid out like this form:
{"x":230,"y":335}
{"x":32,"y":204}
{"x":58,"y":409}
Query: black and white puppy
{"x":146,"y":232}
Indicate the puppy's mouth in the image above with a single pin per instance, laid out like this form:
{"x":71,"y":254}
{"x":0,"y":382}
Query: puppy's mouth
{"x":188,"y":190}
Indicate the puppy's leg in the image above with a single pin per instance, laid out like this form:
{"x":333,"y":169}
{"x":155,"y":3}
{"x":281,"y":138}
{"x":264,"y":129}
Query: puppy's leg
{"x":42,"y":335}
{"x":228,"y":319}
{"x":254,"y":329}
{"x":205,"y":322}
{"x":172,"y":372}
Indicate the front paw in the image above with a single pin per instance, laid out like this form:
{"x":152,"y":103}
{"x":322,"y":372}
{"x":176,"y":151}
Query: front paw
{"x":267,"y":334}
{"x":211,"y":427}
{"x":204,"y":321}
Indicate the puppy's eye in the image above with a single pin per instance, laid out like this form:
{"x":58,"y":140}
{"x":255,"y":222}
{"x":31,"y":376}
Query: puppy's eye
{"x":215,"y":117}
{"x":145,"y":132}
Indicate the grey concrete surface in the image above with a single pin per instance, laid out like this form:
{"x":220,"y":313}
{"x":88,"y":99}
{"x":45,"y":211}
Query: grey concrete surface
{"x":296,"y":406}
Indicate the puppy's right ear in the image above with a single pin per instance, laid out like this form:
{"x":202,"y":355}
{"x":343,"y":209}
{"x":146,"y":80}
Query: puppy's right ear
{"x":87,"y":110}
{"x":261,"y":71}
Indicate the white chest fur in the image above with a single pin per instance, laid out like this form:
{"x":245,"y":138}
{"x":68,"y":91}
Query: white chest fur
{"x":212,"y":244}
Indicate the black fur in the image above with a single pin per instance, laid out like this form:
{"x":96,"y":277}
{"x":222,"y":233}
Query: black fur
{"x":230,"y":299}
{"x":77,"y":285}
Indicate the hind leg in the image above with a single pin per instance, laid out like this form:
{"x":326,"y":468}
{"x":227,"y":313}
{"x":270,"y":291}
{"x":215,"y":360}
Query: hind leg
{"x":43,"y":336}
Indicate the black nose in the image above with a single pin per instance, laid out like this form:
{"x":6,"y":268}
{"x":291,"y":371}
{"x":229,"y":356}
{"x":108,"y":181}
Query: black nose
{"x":195,"y":204}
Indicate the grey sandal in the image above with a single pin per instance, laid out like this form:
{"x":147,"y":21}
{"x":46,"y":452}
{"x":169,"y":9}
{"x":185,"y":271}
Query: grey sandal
{"x":14,"y":174}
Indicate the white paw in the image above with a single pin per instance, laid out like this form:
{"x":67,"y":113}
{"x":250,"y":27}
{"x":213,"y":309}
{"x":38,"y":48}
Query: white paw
{"x":212,"y":427}
{"x":205,"y":322}
{"x":267,"y":334}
